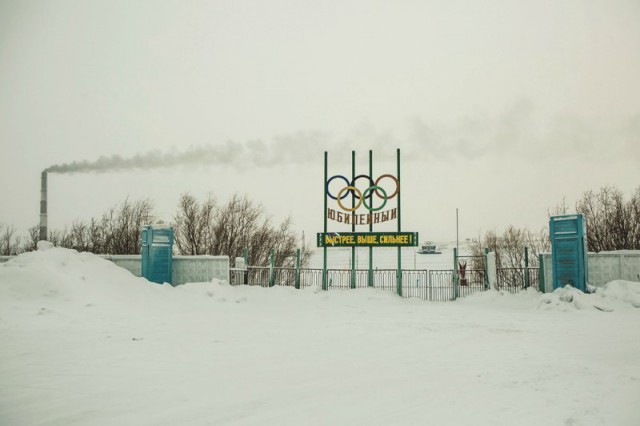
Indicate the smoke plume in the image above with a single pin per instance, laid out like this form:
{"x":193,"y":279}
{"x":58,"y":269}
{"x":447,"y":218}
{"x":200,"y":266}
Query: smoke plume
{"x":520,"y":130}
{"x":298,"y":148}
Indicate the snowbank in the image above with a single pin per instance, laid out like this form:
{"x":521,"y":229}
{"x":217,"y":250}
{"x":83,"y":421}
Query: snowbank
{"x":616,"y":295}
{"x":62,"y":275}
{"x":85,"y":342}
{"x":66,"y":275}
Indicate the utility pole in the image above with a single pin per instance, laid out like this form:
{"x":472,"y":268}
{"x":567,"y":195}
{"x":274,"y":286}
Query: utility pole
{"x":457,"y":248}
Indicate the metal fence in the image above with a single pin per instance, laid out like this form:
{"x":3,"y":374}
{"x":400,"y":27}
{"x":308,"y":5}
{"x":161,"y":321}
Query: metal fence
{"x":474,"y":281}
{"x":534,"y":278}
{"x":517,"y":279}
{"x":432,"y":285}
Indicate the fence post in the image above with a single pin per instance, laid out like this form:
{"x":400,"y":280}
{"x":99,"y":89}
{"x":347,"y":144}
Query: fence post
{"x":455,"y":273}
{"x":298,"y":269}
{"x":324,"y":214}
{"x":246,"y":266}
{"x":271,"y":264}
{"x":541,"y":272}
{"x":492,"y":271}
{"x":486,"y":268}
{"x":353,"y":224}
{"x":371,"y":223}
{"x":526,"y":267}
{"x":352,"y":284}
{"x":399,"y":225}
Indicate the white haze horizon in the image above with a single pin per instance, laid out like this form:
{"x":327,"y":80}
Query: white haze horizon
{"x":501,"y":111}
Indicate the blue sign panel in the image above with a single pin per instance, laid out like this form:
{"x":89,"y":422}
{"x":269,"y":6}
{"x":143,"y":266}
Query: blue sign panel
{"x":157,"y":253}
{"x":569,"y":251}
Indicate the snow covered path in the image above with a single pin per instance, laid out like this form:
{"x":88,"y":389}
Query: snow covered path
{"x":85,"y":343}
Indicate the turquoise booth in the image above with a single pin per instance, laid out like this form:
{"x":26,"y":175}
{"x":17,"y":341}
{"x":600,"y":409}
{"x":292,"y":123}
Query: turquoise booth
{"x":568,"y":235}
{"x":157,"y":253}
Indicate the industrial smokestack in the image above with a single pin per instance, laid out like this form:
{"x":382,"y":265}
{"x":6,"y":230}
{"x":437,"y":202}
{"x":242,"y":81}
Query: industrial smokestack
{"x":43,"y":206}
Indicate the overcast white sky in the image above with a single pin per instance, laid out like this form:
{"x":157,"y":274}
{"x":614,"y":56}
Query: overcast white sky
{"x":500,"y":108}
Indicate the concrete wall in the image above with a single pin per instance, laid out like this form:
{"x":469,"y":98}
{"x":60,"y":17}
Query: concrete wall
{"x":186,"y":269}
{"x":195,"y":269}
{"x":130,"y":262}
{"x":603,"y":267}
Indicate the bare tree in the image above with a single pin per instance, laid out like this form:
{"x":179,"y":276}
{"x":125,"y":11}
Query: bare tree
{"x":510,"y":247}
{"x":560,"y":209}
{"x":87,"y":236}
{"x":209,"y":228}
{"x":612,"y":222}
{"x":10,"y":243}
{"x":122,"y":226}
{"x":61,"y":238}
{"x":118,"y":231}
{"x":94,"y":235}
{"x":193,"y":224}
{"x":634,"y":212}
{"x":199,"y":228}
{"x":241,"y":223}
{"x":31,"y":243}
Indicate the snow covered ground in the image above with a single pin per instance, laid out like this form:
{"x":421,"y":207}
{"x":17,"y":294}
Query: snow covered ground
{"x":84,"y":342}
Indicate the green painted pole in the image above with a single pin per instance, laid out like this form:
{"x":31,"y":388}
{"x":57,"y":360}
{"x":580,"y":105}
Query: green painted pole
{"x":541,"y":273}
{"x":324,"y":213}
{"x":370,"y":223}
{"x":353,"y":225}
{"x":272,"y":263}
{"x":399,"y":279}
{"x":455,"y":273}
{"x":526,"y":268}
{"x":298,"y":269}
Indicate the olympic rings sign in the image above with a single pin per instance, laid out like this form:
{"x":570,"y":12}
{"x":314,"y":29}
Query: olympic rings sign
{"x":360,"y":197}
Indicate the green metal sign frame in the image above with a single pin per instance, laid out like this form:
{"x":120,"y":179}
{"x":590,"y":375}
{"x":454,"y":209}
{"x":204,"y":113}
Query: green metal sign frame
{"x":370,"y":223}
{"x":367,"y":239}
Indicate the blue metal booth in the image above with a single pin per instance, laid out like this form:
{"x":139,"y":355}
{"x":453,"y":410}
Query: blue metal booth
{"x":568,"y":235}
{"x":157,"y":253}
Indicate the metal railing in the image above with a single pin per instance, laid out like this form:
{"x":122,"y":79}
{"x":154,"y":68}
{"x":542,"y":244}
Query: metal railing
{"x":510,"y":279}
{"x":474,"y":281}
{"x":534,"y":278}
{"x":441,"y":285}
{"x":237,"y":276}
{"x":432,"y":285}
{"x":415,"y":283}
{"x":513,"y":279}
{"x":310,"y":278}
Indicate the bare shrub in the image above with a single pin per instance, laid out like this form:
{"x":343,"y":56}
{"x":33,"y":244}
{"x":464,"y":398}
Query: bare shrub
{"x":61,"y":238}
{"x":10,"y":243}
{"x":193,"y":224}
{"x":117,"y":232}
{"x":121,"y":227}
{"x":208,"y":228}
{"x":612,"y":222}
{"x":510,"y":247}
{"x":33,"y":236}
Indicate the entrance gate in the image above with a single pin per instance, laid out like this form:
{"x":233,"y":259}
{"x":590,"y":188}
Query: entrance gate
{"x":363,"y":206}
{"x":425,"y":284}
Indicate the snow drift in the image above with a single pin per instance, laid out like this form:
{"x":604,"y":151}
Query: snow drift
{"x":85,"y":342}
